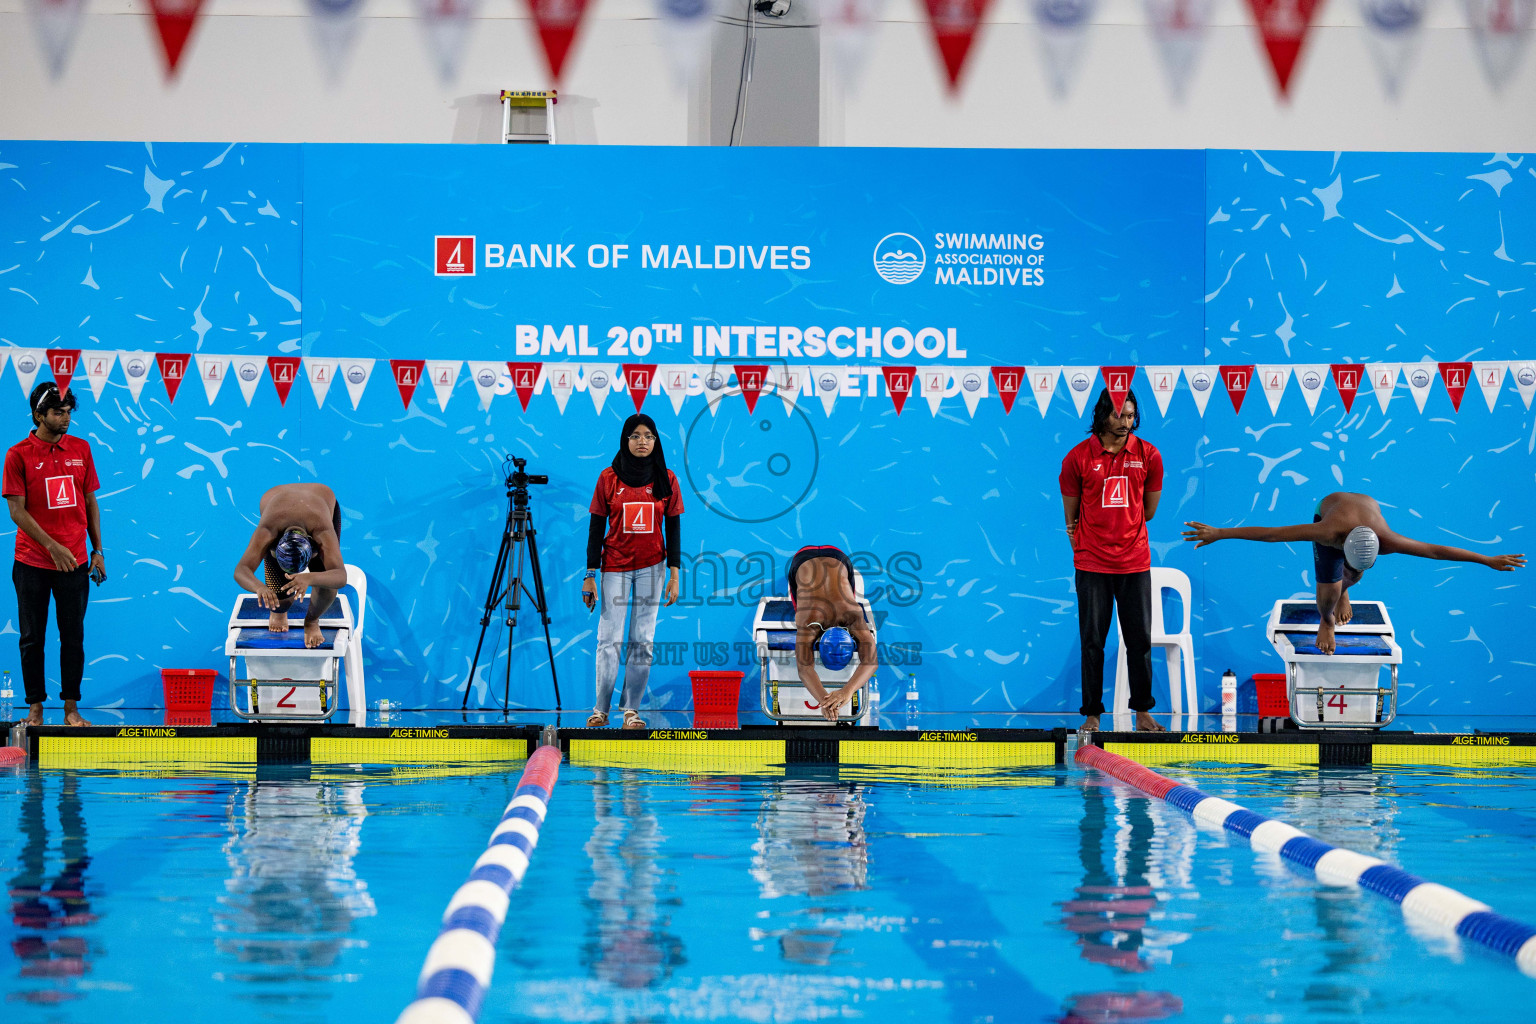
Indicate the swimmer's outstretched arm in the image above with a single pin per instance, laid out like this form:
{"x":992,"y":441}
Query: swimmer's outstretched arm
{"x":868,"y":661}
{"x":1204,"y":534}
{"x":1396,"y":544}
{"x":245,"y":571}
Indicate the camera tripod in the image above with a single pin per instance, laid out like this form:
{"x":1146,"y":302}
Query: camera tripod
{"x":518,"y":539}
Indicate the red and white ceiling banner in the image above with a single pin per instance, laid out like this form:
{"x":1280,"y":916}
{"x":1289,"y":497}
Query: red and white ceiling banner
{"x":1392,"y":29}
{"x":973,"y":385}
{"x":1079,"y":381}
{"x":63,"y":362}
{"x":599,"y":380}
{"x":1310,"y":378}
{"x":558,"y":23}
{"x":334,"y":25}
{"x":1009,"y":379}
{"x":638,"y":378}
{"x":173,"y":370}
{"x":676,"y":378}
{"x":829,"y":382}
{"x":1525,"y":380}
{"x":955,"y":24}
{"x":445,"y":24}
{"x":933,"y":384}
{"x":135,"y":371}
{"x":687,"y":28}
{"x":211,"y":370}
{"x":1456,"y":376}
{"x":751,"y":381}
{"x":355,"y":374}
{"x":56,"y":23}
{"x":174,"y":21}
{"x":1178,"y":29}
{"x":848,"y":28}
{"x":485,"y":373}
{"x":1063,"y":26}
{"x":789,"y":383}
{"x":1202,"y":383}
{"x":1383,"y":378}
{"x":1273,"y":379}
{"x":526,"y":378}
{"x":1042,"y":384}
{"x":407,"y":374}
{"x":1283,"y":27}
{"x":1420,"y":378}
{"x":27,"y":362}
{"x":322,"y":373}
{"x":898,"y":384}
{"x":284,"y":370}
{"x":562,"y":380}
{"x":443,"y":375}
{"x":1117,"y":381}
{"x":1164,"y":381}
{"x":1348,"y":378}
{"x":247,"y":371}
{"x":97,"y":367}
{"x":1237,"y":379}
{"x":1500,"y":31}
{"x":717,"y":381}
{"x":1490,"y":378}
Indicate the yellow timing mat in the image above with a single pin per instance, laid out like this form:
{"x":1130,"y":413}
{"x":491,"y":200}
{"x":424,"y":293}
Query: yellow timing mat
{"x":413,"y":750}
{"x":754,"y":757}
{"x":106,"y":751}
{"x":930,"y":754}
{"x":1237,"y":753}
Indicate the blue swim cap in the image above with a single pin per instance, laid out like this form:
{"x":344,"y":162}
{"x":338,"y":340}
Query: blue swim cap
{"x":293,"y":551}
{"x":837,"y":648}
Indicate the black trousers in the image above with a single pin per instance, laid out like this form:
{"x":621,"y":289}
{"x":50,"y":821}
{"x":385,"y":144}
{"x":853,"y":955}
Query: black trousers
{"x":1097,"y":592}
{"x":70,"y":592}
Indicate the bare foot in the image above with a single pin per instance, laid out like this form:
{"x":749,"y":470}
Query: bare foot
{"x":1146,"y":723}
{"x":72,"y":714}
{"x":34,"y":716}
{"x":312,"y":635}
{"x":1343,"y":611}
{"x":1325,"y":637}
{"x":278,"y":622}
{"x":1090,"y":724}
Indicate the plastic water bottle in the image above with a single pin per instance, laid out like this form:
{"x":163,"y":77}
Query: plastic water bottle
{"x":912,"y":703}
{"x":1229,"y":693}
{"x":7,"y":698}
{"x":872,"y":704}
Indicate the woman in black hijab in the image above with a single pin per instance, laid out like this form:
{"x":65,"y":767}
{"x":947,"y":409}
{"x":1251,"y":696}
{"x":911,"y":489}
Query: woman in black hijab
{"x":632,"y":563}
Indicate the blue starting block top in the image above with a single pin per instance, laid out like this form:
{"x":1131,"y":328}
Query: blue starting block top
{"x":265,"y":640}
{"x":1366,"y":645}
{"x":1305,"y":614}
{"x":781,"y":611}
{"x":781,"y":639}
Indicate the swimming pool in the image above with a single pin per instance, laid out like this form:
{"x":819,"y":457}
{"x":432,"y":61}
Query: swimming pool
{"x":312,"y":894}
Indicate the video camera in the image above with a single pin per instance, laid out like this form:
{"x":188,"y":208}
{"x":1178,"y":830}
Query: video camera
{"x":518,"y":479}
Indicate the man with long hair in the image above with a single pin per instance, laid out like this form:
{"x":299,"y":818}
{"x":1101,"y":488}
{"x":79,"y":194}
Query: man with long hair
{"x":1110,"y":487}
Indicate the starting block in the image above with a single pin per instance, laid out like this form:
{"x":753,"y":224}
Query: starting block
{"x":1340,"y":690}
{"x":785,"y":699}
{"x":284,"y":680}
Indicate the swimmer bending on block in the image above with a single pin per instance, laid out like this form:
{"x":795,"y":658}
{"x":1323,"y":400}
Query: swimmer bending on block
{"x":821,"y":587}
{"x":1347,"y":533}
{"x":298,"y":541}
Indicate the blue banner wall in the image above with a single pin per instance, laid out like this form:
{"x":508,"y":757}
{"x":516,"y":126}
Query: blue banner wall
{"x":779,"y":259}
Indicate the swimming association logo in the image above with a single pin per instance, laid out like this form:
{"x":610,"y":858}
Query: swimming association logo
{"x":1311,"y":380}
{"x":453,"y":255}
{"x":715,"y":380}
{"x":971,"y":382}
{"x":356,"y":374}
{"x":1200,"y":381}
{"x":1419,"y":378}
{"x":486,"y":377}
{"x":249,"y":371}
{"x":900,"y":258}
{"x":1080,"y":381}
{"x":1525,"y":376}
{"x":26,"y":363}
{"x":827,"y":382}
{"x":135,"y":367}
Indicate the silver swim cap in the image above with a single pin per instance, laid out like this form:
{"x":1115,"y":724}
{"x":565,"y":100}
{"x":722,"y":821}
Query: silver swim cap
{"x":1360,"y":548}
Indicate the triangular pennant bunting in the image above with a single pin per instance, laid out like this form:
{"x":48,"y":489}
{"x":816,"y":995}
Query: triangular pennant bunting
{"x":1273,"y":379}
{"x":485,"y":375}
{"x":1042,"y":385}
{"x":598,"y":379}
{"x":1079,"y":381}
{"x":638,"y":378}
{"x":1456,"y":376}
{"x":283,"y":370}
{"x":1164,"y":381}
{"x":173,"y":370}
{"x":355,"y":374}
{"x":1237,"y":379}
{"x":335,"y":25}
{"x":973,"y":385}
{"x":848,"y":28}
{"x":322,"y":374}
{"x":211,"y":370}
{"x":63,"y":362}
{"x":716,"y":381}
{"x":557,"y":22}
{"x":1392,"y":35}
{"x":97,"y":367}
{"x":1348,"y":378}
{"x":247,"y":371}
{"x":955,"y":24}
{"x":407,"y":374}
{"x":675,"y":381}
{"x":1283,"y":26}
{"x":446,"y":24}
{"x":1500,"y":31}
{"x":898,"y":384}
{"x":1420,"y":378}
{"x":1202,"y":384}
{"x":1178,"y":26}
{"x":27,"y":362}
{"x":56,"y":22}
{"x":829,"y":382}
{"x":443,"y":374}
{"x":1490,"y":377}
{"x":1525,"y":380}
{"x":1117,"y":381}
{"x":788,"y":383}
{"x":933,"y":382}
{"x":1310,"y":378}
{"x":1008,"y":380}
{"x":687,"y":28}
{"x":751,"y":380}
{"x":174,"y":20}
{"x":1063,"y":30}
{"x":561,"y":378}
{"x":1383,"y":378}
{"x":525,"y":380}
{"x":135,"y":370}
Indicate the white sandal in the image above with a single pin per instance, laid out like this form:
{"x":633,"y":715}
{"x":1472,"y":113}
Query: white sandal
{"x":632,"y":719}
{"x":597,"y":719}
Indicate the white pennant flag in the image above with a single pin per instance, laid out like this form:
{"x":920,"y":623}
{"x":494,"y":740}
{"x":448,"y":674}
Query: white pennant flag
{"x":248,"y":371}
{"x":1079,"y":381}
{"x":829,"y":381}
{"x":446,"y":24}
{"x":136,"y":369}
{"x":1500,"y":30}
{"x":97,"y":367}
{"x":56,"y":22}
{"x":1178,"y":27}
{"x":687,"y":29}
{"x":1490,"y":377}
{"x":933,"y":384}
{"x":1310,"y":377}
{"x":848,"y":26}
{"x":27,"y":362}
{"x":1273,"y":379}
{"x":675,"y":379}
{"x":1524,"y":374}
{"x":1392,"y":33}
{"x":716,"y":381}
{"x":321,"y":373}
{"x":1042,"y":385}
{"x":444,"y":374}
{"x":1383,"y":381}
{"x":788,"y":383}
{"x":1063,"y":32}
{"x":561,"y":379}
{"x":335,"y":24}
{"x":211,"y":370}
{"x":1421,"y":379}
{"x":355,"y":374}
{"x":598,"y":379}
{"x":485,"y":375}
{"x":1202,"y":382}
{"x":1164,"y":381}
{"x":973,"y":381}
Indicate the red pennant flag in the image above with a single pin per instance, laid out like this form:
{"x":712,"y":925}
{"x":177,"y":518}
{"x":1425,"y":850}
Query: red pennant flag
{"x":1346,"y":377}
{"x":557,"y":22}
{"x":898,"y":381}
{"x":1237,"y":379}
{"x":174,"y":20}
{"x":638,"y":378}
{"x":1283,"y":25}
{"x":750,"y":380}
{"x":284,"y":370}
{"x":1118,"y":380}
{"x":955,"y":23}
{"x":1455,"y":376}
{"x":62,"y":361}
{"x":173,"y":370}
{"x":407,"y":375}
{"x":1007,"y":379}
{"x":525,"y":377}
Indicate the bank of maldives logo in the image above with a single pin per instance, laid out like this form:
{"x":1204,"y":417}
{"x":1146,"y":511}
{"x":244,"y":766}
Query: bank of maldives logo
{"x":899,"y":258}
{"x":453,"y":255}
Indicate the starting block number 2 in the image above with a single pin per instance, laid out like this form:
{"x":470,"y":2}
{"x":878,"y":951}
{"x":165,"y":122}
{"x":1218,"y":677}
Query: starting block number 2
{"x":279,"y":700}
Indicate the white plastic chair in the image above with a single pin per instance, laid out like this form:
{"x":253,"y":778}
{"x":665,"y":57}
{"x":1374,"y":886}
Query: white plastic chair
{"x":1177,"y":647}
{"x":357,"y":694}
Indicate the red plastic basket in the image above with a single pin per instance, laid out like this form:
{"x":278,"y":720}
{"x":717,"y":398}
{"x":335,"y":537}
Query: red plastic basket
{"x":1273,"y":701}
{"x":715,"y":692}
{"x":188,"y":689}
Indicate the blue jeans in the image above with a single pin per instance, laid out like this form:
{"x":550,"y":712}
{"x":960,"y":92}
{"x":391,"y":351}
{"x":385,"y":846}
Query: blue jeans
{"x":638,"y":593}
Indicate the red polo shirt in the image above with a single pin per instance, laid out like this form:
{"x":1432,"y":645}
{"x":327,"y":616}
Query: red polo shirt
{"x":636,"y":521}
{"x":1110,"y":486}
{"x":55,"y":479}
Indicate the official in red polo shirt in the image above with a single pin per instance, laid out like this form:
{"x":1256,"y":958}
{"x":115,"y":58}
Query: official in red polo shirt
{"x":1110,"y":486}
{"x":50,"y":486}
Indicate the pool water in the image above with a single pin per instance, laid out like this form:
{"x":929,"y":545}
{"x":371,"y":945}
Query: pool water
{"x":1051,"y":894}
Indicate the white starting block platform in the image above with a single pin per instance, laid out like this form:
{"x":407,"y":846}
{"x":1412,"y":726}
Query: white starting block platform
{"x":784,"y":697}
{"x":1341,"y":690}
{"x":284,"y":681}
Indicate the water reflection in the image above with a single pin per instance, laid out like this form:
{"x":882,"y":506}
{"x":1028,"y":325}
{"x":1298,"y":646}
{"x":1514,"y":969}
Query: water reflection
{"x":49,"y":905}
{"x":628,"y":943}
{"x":293,"y":893}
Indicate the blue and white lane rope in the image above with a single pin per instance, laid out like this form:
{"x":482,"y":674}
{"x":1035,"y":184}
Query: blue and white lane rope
{"x":1421,"y":900}
{"x":457,"y":972}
